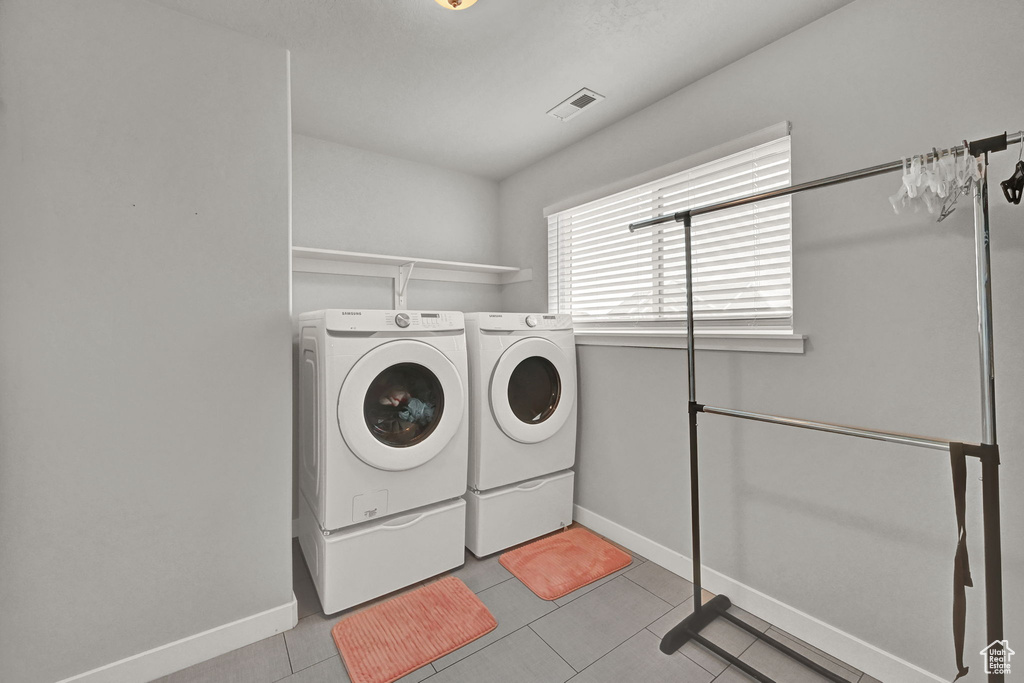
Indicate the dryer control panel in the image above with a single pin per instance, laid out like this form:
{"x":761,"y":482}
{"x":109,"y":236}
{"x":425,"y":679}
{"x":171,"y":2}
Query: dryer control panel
{"x":338,"y":320}
{"x":501,"y":322}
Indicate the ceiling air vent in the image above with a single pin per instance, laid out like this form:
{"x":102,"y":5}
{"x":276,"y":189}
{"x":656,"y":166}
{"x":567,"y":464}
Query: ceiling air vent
{"x":574,"y":104}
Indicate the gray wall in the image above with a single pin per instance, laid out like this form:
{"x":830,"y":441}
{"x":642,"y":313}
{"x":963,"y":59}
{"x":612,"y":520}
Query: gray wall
{"x":857,"y":534}
{"x":145,"y":418}
{"x":353,"y":200}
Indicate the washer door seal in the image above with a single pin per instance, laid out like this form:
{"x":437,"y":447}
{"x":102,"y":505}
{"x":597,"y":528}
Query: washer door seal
{"x":550,"y":421}
{"x":351,"y":414}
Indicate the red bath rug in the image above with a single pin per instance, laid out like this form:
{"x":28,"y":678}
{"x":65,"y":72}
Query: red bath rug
{"x":387,"y":641}
{"x":559,"y":564}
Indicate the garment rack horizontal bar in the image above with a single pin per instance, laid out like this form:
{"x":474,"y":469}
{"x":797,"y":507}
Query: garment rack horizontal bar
{"x":783,"y":648}
{"x":878,"y":435}
{"x":770,"y":642}
{"x":732,"y":659}
{"x":985,"y":145}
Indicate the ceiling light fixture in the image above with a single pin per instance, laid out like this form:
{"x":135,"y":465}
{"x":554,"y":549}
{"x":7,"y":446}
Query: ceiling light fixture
{"x":455,"y":4}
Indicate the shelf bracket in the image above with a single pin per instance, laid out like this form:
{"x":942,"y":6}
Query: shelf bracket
{"x":401,"y":283}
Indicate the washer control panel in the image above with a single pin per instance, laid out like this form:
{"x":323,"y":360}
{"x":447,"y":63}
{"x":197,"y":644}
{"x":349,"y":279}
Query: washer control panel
{"x":381,"y":321}
{"x":430,"y":321}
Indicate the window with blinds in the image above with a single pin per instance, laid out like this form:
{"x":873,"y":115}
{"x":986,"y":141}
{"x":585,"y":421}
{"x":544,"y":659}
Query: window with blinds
{"x":607,"y":277}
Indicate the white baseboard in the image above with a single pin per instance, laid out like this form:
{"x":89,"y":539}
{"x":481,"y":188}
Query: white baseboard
{"x":860,"y":654}
{"x":183,"y":653}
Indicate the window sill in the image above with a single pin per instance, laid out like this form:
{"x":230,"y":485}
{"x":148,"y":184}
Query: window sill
{"x":763,"y":342}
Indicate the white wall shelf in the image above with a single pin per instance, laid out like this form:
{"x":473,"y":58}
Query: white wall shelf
{"x":403,"y":268}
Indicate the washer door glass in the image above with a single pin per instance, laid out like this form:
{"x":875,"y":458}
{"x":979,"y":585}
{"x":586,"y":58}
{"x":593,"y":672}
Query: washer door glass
{"x":403,"y":405}
{"x":400,"y":405}
{"x":534,"y":390}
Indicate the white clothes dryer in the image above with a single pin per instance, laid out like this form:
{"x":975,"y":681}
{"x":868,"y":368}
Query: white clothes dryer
{"x":383,"y":424}
{"x":523,"y":396}
{"x":522,"y":370}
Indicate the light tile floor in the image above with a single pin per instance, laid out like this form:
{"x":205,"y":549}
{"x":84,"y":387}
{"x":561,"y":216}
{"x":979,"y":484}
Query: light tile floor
{"x":606,"y":632}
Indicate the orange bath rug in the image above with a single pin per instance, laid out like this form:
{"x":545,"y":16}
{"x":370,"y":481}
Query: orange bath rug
{"x":387,"y":641}
{"x":559,"y":564}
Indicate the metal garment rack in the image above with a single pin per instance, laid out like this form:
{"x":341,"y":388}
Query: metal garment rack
{"x":987,"y":451}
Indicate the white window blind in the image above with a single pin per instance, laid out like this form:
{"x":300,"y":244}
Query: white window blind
{"x":607,"y":277}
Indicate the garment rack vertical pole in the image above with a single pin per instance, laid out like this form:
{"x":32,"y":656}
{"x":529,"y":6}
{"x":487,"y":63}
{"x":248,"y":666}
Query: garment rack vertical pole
{"x":987,"y":451}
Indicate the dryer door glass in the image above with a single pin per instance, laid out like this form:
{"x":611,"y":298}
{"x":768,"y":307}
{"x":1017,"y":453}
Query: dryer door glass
{"x":403,"y":405}
{"x":534,"y":390}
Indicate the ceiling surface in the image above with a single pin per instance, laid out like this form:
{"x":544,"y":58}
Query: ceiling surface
{"x":470,"y":90}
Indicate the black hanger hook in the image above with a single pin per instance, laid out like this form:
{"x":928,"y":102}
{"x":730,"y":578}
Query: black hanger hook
{"x":1013,"y":187}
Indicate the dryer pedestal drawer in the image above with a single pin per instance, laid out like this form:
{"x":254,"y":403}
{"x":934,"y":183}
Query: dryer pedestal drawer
{"x":366,"y":561}
{"x":502,"y":517}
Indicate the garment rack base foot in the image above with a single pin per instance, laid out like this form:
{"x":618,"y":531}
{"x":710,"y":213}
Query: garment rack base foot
{"x":689,"y":629}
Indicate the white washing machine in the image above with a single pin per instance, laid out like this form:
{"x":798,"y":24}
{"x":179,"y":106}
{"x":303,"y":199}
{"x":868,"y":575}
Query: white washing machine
{"x":383,"y":444}
{"x":522,"y":371}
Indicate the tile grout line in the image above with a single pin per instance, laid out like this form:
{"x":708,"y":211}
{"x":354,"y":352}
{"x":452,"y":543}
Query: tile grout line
{"x":616,"y":574}
{"x":429,"y":676}
{"x":670,"y":605}
{"x":497,"y":584}
{"x":642,"y":628}
{"x":614,"y":649}
{"x":730,"y":666}
{"x":487,"y":646}
{"x":557,"y":607}
{"x":770,"y":625}
{"x":335,"y":618}
{"x":820,"y":653}
{"x":289,"y":653}
{"x":289,"y":659}
{"x":492,"y":643}
{"x":811,"y":650}
{"x":859,"y":676}
{"x":580,"y":595}
{"x":573,"y":668}
{"x":699,"y":665}
{"x":317,"y":663}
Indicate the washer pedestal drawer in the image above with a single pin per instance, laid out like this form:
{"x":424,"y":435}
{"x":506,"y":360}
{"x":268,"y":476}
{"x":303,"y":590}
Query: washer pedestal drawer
{"x":365,"y":561}
{"x":502,"y":517}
